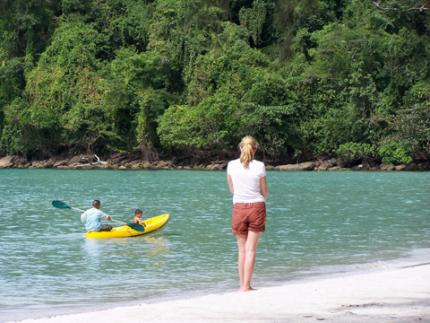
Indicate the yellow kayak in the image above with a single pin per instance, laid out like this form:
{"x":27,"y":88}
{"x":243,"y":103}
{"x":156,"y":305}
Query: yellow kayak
{"x":124,"y":231}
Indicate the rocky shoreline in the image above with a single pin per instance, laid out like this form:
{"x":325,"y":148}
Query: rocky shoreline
{"x":124,"y":162}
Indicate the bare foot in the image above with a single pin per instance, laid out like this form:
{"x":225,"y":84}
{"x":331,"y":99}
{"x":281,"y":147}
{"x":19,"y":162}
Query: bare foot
{"x":249,"y":289}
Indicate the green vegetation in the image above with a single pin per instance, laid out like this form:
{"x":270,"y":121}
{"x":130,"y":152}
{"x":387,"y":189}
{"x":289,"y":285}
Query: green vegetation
{"x":394,"y":153}
{"x":189,"y":78}
{"x":353,"y":152}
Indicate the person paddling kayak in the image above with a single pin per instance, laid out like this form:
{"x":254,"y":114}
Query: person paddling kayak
{"x":92,"y":218}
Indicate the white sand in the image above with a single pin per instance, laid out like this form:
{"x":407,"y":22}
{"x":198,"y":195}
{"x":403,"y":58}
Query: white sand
{"x":384,"y":295}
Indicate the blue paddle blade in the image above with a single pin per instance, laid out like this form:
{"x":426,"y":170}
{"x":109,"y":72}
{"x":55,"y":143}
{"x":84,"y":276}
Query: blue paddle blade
{"x":137,"y":227}
{"x":60,"y":205}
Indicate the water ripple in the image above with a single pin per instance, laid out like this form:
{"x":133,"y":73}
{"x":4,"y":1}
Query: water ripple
{"x":314,"y":220}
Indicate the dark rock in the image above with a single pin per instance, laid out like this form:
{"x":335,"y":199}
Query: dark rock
{"x":23,"y":165}
{"x":216,"y":166}
{"x":146,"y":165}
{"x":85,"y":159}
{"x":387,"y":167}
{"x":50,"y":163}
{"x":326,"y":164}
{"x":20,"y":162}
{"x":411,"y":166}
{"x":74,"y":160}
{"x":424,"y":166}
{"x":59,"y":163}
{"x":301,"y":166}
{"x":400,"y":167}
{"x":418,"y":166}
{"x":118,"y":158}
{"x":41,"y":164}
{"x":136,"y":164}
{"x":163,"y":164}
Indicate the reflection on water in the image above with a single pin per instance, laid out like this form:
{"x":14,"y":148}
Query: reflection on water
{"x":92,"y":254}
{"x":157,"y":246}
{"x":150,"y":247}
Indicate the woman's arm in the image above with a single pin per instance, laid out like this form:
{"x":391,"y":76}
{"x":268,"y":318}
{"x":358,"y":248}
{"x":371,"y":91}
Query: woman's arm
{"x":230,"y":184}
{"x":263,"y":186}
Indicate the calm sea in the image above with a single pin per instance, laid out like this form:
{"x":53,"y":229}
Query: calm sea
{"x":317,"y":222}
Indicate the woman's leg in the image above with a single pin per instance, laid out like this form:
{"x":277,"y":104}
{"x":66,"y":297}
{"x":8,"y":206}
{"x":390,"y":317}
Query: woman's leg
{"x":241,"y":242}
{"x":250,"y":253}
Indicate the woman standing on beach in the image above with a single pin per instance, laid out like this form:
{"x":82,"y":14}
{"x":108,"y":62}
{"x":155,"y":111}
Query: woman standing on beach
{"x":246,"y":178}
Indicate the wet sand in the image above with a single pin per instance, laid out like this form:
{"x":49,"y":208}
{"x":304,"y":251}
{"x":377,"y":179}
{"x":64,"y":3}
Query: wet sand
{"x":400,"y":294}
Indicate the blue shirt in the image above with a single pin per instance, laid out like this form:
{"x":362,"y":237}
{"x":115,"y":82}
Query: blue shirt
{"x":93,"y":219}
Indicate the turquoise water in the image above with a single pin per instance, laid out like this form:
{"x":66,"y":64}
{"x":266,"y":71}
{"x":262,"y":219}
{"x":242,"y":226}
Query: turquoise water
{"x":315,"y":220}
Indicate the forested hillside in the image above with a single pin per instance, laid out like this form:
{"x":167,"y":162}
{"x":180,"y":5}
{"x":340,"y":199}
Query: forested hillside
{"x":188,"y":78}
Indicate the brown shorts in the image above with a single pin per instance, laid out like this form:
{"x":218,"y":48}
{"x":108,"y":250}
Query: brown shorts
{"x":248,"y":217}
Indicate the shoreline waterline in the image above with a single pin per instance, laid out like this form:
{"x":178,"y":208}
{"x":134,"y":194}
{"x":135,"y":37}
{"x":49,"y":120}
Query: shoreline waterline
{"x":89,"y":162}
{"x":333,"y":280}
{"x":410,"y":259}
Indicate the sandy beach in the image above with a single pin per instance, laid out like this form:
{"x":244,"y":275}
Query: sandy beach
{"x":400,"y":294}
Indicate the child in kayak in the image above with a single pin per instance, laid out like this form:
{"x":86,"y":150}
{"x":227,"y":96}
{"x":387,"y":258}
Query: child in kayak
{"x":137,"y":216}
{"x":136,"y":222}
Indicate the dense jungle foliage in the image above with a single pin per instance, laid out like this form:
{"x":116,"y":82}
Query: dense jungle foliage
{"x":188,"y":78}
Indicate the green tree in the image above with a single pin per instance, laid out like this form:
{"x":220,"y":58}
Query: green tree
{"x":394,"y":152}
{"x":353,"y":153}
{"x":412,"y":123}
{"x":177,"y":78}
{"x":136,"y":96}
{"x":59,"y":91}
{"x":26,"y":26}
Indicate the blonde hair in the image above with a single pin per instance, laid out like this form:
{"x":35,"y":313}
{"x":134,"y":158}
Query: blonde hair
{"x":248,"y":146}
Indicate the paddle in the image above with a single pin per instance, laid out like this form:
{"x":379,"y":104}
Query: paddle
{"x":62,"y":205}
